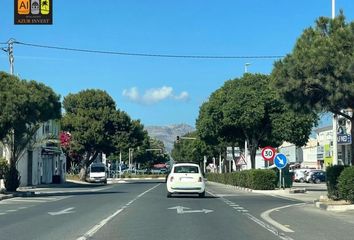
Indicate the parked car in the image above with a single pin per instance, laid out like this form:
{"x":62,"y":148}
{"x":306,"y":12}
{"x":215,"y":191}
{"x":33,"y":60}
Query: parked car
{"x":309,"y":173}
{"x":299,"y":175}
{"x":185,"y":178}
{"x":318,"y":177}
{"x":158,"y":170}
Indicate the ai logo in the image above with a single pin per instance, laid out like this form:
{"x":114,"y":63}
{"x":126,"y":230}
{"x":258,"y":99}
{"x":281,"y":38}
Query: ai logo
{"x":23,"y":6}
{"x":33,"y":11}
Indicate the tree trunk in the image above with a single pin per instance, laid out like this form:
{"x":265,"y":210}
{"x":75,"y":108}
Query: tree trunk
{"x":83,"y":173}
{"x":253,"y":151}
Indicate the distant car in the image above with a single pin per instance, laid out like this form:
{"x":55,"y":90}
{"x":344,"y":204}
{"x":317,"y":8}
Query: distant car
{"x":97,"y":172}
{"x":300,"y":174}
{"x":318,"y":177}
{"x":158,"y":170}
{"x":185,"y":178}
{"x":309,"y":174}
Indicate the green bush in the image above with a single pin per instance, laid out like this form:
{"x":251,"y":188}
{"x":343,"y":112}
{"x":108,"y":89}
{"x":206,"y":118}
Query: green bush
{"x":346,"y":184}
{"x":262,"y":179}
{"x":333,"y":173}
{"x":259,"y":179}
{"x":12,"y":179}
{"x":4,"y":167}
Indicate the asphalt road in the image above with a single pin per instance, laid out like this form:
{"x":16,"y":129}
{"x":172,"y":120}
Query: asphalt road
{"x":140,"y":210}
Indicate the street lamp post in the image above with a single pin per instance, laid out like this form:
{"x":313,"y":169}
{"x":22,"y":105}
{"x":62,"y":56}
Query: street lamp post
{"x":246,"y":67}
{"x":246,"y":143}
{"x":335,"y":117}
{"x":130,"y":158}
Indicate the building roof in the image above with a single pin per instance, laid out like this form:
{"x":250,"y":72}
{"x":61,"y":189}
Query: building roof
{"x":323,"y":129}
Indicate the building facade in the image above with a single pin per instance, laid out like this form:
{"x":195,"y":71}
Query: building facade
{"x":43,"y":161}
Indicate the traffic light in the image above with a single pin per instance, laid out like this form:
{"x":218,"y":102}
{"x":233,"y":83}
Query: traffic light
{"x":177,"y":139}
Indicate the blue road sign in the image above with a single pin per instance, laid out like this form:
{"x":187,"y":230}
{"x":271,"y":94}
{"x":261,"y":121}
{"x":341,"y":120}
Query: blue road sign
{"x":280,"y":160}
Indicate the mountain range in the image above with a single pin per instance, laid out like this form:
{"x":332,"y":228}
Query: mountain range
{"x":168,"y":134}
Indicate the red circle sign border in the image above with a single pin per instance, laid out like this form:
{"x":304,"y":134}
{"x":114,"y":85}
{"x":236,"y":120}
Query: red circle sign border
{"x":268,"y":148}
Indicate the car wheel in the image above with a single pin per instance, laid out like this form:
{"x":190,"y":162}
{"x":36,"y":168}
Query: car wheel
{"x":201,"y":195}
{"x":317,"y":180}
{"x":169,"y":194}
{"x":301,"y":180}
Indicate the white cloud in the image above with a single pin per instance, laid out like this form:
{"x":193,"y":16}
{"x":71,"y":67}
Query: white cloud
{"x":183,"y":96}
{"x":154,"y":95}
{"x":132,"y":94}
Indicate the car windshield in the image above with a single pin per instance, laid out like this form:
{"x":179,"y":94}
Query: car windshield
{"x":186,"y":169}
{"x":97,"y":169}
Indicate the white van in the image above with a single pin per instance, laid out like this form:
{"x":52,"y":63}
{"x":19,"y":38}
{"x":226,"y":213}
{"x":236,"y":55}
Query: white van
{"x":97,"y":172}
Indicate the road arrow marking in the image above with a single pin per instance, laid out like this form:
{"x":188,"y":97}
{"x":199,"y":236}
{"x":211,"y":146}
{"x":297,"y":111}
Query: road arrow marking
{"x":182,"y":210}
{"x":65,"y":211}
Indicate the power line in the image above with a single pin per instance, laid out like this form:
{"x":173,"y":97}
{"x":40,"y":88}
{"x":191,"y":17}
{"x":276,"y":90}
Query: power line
{"x":148,"y":54}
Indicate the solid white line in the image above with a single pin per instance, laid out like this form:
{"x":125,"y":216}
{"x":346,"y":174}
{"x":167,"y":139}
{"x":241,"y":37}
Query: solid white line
{"x":11,"y":210}
{"x":98,"y":226}
{"x":266,"y":226}
{"x":1,"y":213}
{"x":265,"y":216}
{"x":27,"y":200}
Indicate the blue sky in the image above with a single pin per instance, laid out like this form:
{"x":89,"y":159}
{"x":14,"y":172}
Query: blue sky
{"x":158,"y":91}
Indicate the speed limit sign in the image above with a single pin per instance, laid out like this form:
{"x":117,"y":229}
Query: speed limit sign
{"x":268,"y":153}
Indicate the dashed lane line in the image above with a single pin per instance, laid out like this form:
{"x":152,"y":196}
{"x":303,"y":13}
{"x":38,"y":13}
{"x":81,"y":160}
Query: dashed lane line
{"x":245,"y":213}
{"x":98,"y":226}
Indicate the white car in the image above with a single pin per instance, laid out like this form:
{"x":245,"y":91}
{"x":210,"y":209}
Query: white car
{"x":185,"y":178}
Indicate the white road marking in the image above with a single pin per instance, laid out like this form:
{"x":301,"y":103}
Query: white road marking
{"x":11,"y":210}
{"x":27,"y":200}
{"x":182,"y":210}
{"x":1,"y":213}
{"x":238,"y":208}
{"x":258,"y":221}
{"x":265,"y":216}
{"x":61,"y":212}
{"x":98,"y":226}
{"x":266,"y":226}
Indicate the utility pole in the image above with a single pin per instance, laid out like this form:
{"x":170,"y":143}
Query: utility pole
{"x":246,"y":143}
{"x":335,"y":117}
{"x":10,"y":51}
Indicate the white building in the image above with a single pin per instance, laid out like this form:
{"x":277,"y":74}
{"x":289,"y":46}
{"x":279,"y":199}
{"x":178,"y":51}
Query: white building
{"x":44,"y":161}
{"x":309,"y":154}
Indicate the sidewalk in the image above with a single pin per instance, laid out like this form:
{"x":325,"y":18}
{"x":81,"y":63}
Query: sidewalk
{"x":29,"y":191}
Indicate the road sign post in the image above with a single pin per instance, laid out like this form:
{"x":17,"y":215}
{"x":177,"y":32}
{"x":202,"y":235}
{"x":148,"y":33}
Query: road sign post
{"x":280,"y":162}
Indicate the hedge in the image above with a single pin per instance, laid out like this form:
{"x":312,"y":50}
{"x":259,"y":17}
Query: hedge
{"x":346,"y":184}
{"x":333,"y":173}
{"x":257,"y":179}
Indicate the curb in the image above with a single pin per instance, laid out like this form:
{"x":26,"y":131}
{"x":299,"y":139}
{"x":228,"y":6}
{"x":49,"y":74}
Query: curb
{"x":334,"y":208}
{"x":125,"y":179}
{"x":17,"y":194}
{"x":6,"y":197}
{"x":231,"y":186}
